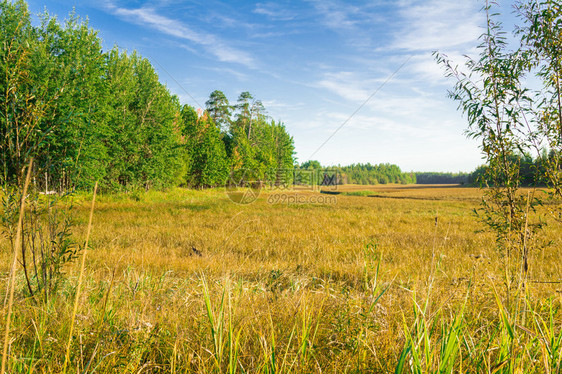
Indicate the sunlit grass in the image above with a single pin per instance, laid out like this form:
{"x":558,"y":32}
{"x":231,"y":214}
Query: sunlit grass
{"x":187,"y":281}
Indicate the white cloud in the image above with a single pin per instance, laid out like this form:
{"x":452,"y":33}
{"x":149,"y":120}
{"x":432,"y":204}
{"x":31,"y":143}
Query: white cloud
{"x":274,"y":11}
{"x":389,"y":126}
{"x":438,"y":24}
{"x":345,"y":51}
{"x":424,"y":68}
{"x":345,"y":85}
{"x":398,"y":97}
{"x":279,"y":105}
{"x":355,"y":23}
{"x":211,"y":43}
{"x":336,"y":16}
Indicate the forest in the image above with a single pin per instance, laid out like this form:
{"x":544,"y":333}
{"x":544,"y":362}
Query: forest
{"x":442,"y":178}
{"x":375,"y":174}
{"x":89,"y":115}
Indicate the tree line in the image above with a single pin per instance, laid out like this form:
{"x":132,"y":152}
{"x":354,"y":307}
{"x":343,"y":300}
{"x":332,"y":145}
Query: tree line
{"x":531,"y":171}
{"x":366,"y":174}
{"x":442,"y":178}
{"x":89,"y":115}
{"x":375,"y":174}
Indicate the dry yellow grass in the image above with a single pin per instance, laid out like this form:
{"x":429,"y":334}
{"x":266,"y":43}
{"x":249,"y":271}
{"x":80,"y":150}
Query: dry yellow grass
{"x":187,"y":281}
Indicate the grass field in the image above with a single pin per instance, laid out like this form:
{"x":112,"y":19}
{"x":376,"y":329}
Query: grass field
{"x":393,"y":279}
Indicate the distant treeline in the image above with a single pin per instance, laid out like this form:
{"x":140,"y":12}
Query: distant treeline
{"x":442,"y":178}
{"x":365,"y":173}
{"x":532,"y":171}
{"x":369,"y":174}
{"x":89,"y":115}
{"x":375,"y":174}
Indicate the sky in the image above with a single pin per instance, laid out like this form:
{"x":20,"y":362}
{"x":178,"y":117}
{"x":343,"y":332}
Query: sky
{"x":353,"y":81}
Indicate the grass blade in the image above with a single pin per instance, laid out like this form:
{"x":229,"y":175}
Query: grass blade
{"x":80,"y":278}
{"x":14,"y":265}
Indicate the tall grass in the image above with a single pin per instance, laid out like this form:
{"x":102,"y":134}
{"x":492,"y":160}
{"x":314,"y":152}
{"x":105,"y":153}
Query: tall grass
{"x":13,"y":269}
{"x":80,"y":279}
{"x":289,"y":289}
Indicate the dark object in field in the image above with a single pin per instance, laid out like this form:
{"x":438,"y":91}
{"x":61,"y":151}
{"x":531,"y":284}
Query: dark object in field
{"x":330,"y":192}
{"x":196,"y":252}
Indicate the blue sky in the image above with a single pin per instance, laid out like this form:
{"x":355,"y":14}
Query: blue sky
{"x":313,"y":64}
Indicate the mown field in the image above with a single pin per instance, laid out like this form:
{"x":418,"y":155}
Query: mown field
{"x":376,"y":279}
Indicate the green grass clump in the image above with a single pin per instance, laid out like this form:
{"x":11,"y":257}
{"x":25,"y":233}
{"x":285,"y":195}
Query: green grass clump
{"x":358,"y":193}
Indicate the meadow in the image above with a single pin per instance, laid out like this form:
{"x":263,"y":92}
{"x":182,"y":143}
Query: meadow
{"x":376,"y":279}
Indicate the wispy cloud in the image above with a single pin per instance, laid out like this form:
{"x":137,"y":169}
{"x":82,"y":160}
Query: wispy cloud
{"x":314,"y":82}
{"x":209,"y":42}
{"x":424,"y":68}
{"x":274,"y":11}
{"x":336,"y":15}
{"x":399,"y":95}
{"x":277,"y":104}
{"x":437,"y":24}
{"x":389,"y":126}
{"x":363,"y":25}
{"x":345,"y":85}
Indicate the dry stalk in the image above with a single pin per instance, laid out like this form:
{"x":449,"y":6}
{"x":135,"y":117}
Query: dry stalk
{"x":80,"y":278}
{"x":12,"y":280}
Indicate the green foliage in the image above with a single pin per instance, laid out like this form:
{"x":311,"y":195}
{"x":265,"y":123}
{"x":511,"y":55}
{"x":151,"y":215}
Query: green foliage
{"x":24,"y":103}
{"x":283,"y":148}
{"x":442,"y":178}
{"x":206,"y":160}
{"x":532,"y":172}
{"x":515,"y":123}
{"x":363,"y":174}
{"x":72,"y":66}
{"x":86,"y":115}
{"x":494,"y":100}
{"x":47,"y":242}
{"x":258,"y":144}
{"x":311,"y":165}
{"x":218,"y":144}
{"x":143,"y":124}
{"x":219,"y":109}
{"x":375,"y":174}
{"x":541,"y":42}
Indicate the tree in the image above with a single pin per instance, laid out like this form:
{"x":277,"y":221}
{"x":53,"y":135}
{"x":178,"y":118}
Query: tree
{"x":206,"y":159}
{"x":143,"y":124}
{"x":311,"y":165}
{"x":219,"y":109}
{"x":541,"y":40}
{"x":493,"y":98}
{"x":284,"y":153}
{"x":72,"y":155}
{"x":244,"y":116}
{"x":24,"y":103}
